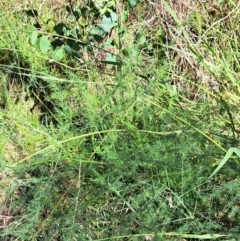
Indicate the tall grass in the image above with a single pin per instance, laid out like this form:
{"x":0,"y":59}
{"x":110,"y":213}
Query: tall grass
{"x":103,"y":153}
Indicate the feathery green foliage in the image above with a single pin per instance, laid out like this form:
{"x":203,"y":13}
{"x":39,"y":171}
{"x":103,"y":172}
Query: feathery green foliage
{"x":119,"y":120}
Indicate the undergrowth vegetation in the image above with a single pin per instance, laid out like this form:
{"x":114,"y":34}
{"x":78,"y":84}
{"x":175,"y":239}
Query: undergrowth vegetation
{"x":116,"y":119}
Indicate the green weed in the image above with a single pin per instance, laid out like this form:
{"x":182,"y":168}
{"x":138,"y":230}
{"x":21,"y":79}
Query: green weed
{"x":120,"y":133}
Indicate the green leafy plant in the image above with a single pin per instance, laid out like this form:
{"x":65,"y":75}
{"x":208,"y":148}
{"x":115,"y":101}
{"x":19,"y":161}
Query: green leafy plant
{"x":132,"y":154}
{"x":80,"y":31}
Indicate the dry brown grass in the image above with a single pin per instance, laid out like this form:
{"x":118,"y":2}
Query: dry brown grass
{"x":196,"y":22}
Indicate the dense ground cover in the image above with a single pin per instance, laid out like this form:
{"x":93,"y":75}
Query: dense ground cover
{"x":114,"y":116}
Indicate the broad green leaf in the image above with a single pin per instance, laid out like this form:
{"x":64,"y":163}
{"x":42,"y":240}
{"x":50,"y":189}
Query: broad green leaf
{"x":142,"y":40}
{"x":134,"y":52}
{"x":89,"y":48}
{"x":33,"y":35}
{"x":44,"y":44}
{"x":106,"y":24}
{"x":96,"y":30}
{"x":125,"y":53}
{"x":31,"y":29}
{"x":67,"y":32}
{"x":84,"y":12}
{"x":76,"y":46}
{"x":124,"y":16}
{"x":111,"y":58}
{"x":60,"y":28}
{"x":68,"y":49}
{"x":114,"y":16}
{"x":150,"y":46}
{"x":109,"y":42}
{"x":58,"y":54}
{"x":56,"y":43}
{"x":98,"y":38}
{"x":68,"y":9}
{"x":132,"y":3}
